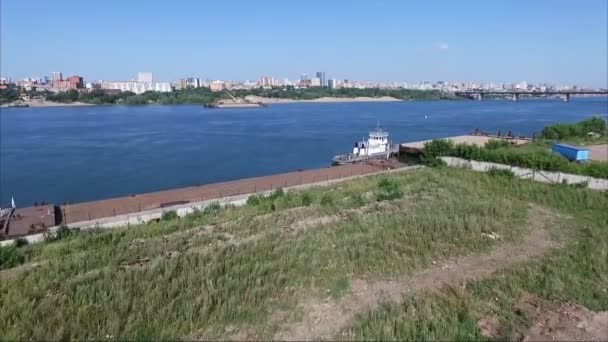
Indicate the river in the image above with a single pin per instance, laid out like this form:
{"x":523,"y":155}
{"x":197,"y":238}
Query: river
{"x":73,"y":154}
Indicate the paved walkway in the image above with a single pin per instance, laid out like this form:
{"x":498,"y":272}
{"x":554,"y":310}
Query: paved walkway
{"x":598,"y":152}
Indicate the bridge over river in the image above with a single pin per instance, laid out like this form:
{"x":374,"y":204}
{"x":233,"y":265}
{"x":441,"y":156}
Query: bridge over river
{"x":565,"y":94}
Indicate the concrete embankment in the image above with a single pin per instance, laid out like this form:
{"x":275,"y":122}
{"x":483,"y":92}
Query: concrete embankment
{"x":237,"y":199}
{"x":535,"y":175}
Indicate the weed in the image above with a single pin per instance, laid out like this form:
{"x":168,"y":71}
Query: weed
{"x":61,"y":233}
{"x":277,"y":193}
{"x":494,"y":144}
{"x":327,"y":200}
{"x":358,"y":199}
{"x":495,"y":172}
{"x":20,"y":242}
{"x":212,"y":208}
{"x":169,"y":215}
{"x":253,"y":200}
{"x":339,"y":288}
{"x":10,"y":256}
{"x":388,"y":189}
{"x":306,"y":199}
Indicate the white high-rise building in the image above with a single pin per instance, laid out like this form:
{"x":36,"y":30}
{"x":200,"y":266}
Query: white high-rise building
{"x":145,"y":77}
{"x":331,"y":83}
{"x":137,"y":87}
{"x":56,"y":76}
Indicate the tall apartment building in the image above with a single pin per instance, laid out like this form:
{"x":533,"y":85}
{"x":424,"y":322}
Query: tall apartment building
{"x":321,"y":77}
{"x":266,"y":81}
{"x":56,"y":76}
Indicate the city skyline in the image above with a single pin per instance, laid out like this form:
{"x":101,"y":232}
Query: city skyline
{"x":383,"y":41}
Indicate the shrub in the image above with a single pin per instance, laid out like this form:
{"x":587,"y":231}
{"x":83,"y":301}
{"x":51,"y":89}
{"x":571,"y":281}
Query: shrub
{"x":306,"y":199}
{"x":277,"y":193}
{"x":212,"y":208}
{"x":501,"y":173}
{"x":434,"y":149}
{"x":388,"y":189}
{"x":63,"y":232}
{"x":358,"y":199}
{"x":169,"y":215}
{"x":533,"y":159}
{"x":326,"y":200}
{"x":20,"y":242}
{"x":10,"y":256}
{"x":253,"y":200}
{"x":435,"y":162}
{"x":579,"y":129}
{"x":195,"y":214}
{"x":494,"y":144}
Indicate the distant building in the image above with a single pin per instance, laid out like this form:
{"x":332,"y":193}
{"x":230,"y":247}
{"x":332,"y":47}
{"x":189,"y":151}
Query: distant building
{"x":56,"y":76}
{"x":71,"y":83}
{"x":137,"y":87}
{"x":193,"y":82}
{"x":321,"y":77}
{"x":265,"y":81}
{"x":315,"y":82}
{"x":5,"y":80}
{"x":217,"y":86}
{"x":331,"y":83}
{"x":145,"y":77}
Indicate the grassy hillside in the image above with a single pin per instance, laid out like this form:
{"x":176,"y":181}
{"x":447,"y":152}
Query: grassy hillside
{"x":383,"y":257}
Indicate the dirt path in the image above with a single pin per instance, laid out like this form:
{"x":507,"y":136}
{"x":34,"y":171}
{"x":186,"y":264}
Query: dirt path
{"x":323,"y":319}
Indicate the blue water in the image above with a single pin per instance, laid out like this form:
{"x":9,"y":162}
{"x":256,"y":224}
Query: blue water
{"x":72,"y":154}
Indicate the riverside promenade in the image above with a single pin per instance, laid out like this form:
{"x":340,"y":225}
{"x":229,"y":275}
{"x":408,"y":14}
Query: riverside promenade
{"x":87,"y":211}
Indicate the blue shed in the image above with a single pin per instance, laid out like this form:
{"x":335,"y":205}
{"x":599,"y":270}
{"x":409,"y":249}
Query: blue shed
{"x":572,"y":153}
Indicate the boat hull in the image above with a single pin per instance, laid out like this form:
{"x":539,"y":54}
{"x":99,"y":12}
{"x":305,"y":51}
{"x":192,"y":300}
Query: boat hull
{"x":351,"y":159}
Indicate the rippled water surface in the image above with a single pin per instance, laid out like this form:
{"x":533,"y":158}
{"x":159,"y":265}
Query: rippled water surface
{"x":76,"y":154}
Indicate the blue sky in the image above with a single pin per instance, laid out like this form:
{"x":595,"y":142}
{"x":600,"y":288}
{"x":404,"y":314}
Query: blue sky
{"x":553,"y":41}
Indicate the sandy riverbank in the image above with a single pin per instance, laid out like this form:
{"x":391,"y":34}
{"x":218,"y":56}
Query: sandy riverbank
{"x":45,"y":103}
{"x":253,"y":98}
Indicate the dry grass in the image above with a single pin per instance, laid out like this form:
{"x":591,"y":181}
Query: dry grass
{"x":146,"y":281}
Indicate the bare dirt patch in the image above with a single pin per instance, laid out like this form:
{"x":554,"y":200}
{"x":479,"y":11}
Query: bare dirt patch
{"x":312,"y":222}
{"x":563,"y":321}
{"x":323,"y":319}
{"x":489,"y":326}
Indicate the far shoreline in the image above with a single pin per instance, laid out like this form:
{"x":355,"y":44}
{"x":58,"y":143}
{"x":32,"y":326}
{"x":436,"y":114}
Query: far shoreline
{"x":271,"y":100}
{"x":250,"y":98}
{"x":264,"y":100}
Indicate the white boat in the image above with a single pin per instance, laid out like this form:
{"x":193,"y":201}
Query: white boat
{"x":376,"y":146}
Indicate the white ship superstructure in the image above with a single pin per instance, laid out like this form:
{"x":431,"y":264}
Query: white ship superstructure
{"x":377,"y":145}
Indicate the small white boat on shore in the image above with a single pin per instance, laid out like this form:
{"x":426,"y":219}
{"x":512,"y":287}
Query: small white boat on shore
{"x":376,"y":146}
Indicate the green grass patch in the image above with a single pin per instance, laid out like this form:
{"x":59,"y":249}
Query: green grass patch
{"x":388,"y":190}
{"x":175,"y":280}
{"x":339,"y":288}
{"x":169,"y":215}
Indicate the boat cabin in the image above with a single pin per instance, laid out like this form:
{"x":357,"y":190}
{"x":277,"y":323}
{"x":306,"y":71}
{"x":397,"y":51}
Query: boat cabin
{"x":376,"y":143}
